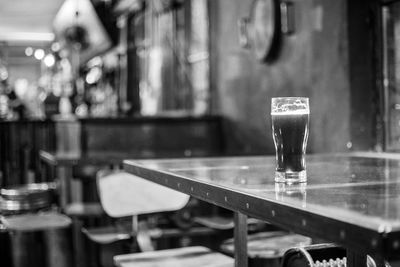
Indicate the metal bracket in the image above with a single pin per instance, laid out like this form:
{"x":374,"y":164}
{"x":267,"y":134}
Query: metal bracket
{"x":287,"y":18}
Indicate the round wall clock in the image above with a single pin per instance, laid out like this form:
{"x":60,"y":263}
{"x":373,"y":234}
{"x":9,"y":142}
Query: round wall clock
{"x":264,"y":30}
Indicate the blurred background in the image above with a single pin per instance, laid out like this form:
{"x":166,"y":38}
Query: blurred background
{"x":187,"y":78}
{"x":109,"y":58}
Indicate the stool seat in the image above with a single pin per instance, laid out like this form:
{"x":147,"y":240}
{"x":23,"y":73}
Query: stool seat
{"x":41,"y":239}
{"x":223,"y":223}
{"x":36,"y":222}
{"x":24,"y":198}
{"x":111,"y":234}
{"x":123,"y":194}
{"x":79,"y":209}
{"x":268,"y":245}
{"x":107,"y":234}
{"x":179,"y":257}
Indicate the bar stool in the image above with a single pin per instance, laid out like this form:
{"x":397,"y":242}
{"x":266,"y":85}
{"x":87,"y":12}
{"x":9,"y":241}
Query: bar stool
{"x":122,"y":194}
{"x":19,"y":205}
{"x":86,"y":175}
{"x":85,"y":211}
{"x":41,"y":239}
{"x":268,"y":248}
{"x":84,"y":215}
{"x":20,"y":199}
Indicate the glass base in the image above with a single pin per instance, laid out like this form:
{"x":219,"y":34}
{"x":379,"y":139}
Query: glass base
{"x":291,"y":177}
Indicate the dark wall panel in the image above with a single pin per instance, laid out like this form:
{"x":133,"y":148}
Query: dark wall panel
{"x":314,"y":62}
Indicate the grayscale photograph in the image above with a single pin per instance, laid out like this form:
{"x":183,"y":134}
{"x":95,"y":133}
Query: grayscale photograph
{"x":199,"y":133}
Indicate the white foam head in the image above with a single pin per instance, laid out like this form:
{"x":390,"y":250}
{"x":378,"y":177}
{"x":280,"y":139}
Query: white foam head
{"x":289,"y":105}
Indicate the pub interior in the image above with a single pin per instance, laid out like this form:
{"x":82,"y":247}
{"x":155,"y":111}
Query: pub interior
{"x":139,"y":133}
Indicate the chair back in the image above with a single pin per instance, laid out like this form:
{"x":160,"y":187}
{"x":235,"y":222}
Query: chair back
{"x":123,"y":194}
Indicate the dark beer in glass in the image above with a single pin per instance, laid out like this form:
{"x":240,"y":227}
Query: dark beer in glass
{"x":290,"y":122}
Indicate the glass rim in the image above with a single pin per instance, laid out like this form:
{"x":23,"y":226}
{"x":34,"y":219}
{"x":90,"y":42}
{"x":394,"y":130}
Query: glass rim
{"x":290,"y":97}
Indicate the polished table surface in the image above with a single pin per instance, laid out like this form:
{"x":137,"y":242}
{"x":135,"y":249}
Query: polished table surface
{"x":101,"y":157}
{"x":353,"y":201}
{"x":73,"y":158}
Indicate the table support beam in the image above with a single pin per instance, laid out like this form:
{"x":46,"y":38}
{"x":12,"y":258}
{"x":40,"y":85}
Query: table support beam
{"x":240,"y":240}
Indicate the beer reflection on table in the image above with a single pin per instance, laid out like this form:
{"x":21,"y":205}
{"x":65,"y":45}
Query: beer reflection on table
{"x":288,"y":192}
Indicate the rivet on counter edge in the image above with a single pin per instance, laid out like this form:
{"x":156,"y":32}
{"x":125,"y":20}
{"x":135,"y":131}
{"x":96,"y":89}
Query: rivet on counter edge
{"x":342,"y":234}
{"x":208,"y":194}
{"x":303,"y":222}
{"x":226,"y":199}
{"x":247,"y":205}
{"x":191,"y":189}
{"x":179,"y":184}
{"x":273,"y":213}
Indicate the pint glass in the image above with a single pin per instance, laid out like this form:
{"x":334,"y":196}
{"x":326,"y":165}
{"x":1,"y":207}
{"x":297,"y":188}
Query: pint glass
{"x":290,"y":119}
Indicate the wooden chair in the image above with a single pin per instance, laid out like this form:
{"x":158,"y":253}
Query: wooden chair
{"x":122,"y":194}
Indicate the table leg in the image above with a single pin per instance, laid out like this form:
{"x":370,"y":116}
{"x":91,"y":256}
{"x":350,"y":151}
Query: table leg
{"x":64,"y":176}
{"x":240,"y":240}
{"x":80,"y":253}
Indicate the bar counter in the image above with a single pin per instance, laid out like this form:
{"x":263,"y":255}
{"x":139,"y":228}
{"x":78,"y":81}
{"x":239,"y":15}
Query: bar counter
{"x":350,"y":200}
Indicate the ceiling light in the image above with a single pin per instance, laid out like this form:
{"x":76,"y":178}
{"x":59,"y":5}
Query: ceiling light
{"x":55,"y":47}
{"x":39,"y":54}
{"x":29,"y":51}
{"x":3,"y":73}
{"x":93,"y":75}
{"x":49,"y":60}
